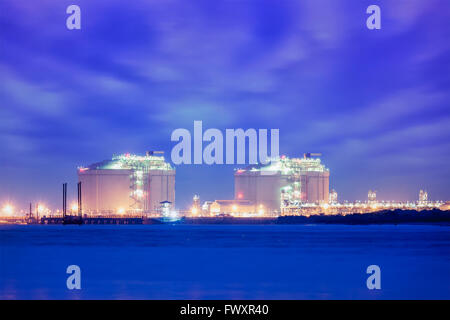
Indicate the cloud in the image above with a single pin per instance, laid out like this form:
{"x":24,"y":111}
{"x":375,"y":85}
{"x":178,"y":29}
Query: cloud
{"x":136,"y":72}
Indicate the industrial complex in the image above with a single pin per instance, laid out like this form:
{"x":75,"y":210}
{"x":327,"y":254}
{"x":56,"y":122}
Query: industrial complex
{"x":143,"y":186}
{"x":132,"y":184}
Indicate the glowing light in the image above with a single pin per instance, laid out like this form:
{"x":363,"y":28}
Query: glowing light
{"x":240,"y":195}
{"x":194,"y":211}
{"x":139,"y":193}
{"x":74,"y":207}
{"x":41,"y":208}
{"x":139,"y":174}
{"x":8,"y":210}
{"x":234,"y":208}
{"x":121,"y":211}
{"x":261,"y":210}
{"x":173,"y":214}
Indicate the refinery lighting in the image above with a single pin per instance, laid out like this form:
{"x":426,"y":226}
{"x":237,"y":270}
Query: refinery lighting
{"x":121,"y":211}
{"x":41,"y":209}
{"x":261,"y":210}
{"x":8,"y":210}
{"x":139,"y":193}
{"x":74,"y":207}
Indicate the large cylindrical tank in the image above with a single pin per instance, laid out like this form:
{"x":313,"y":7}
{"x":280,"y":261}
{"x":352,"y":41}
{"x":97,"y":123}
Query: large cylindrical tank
{"x":317,"y":186}
{"x":300,"y":180}
{"x":105,"y":190}
{"x":262,"y":189}
{"x":127,"y":184}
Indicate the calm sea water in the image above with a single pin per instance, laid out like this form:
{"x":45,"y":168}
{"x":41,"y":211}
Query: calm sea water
{"x":225,"y":261}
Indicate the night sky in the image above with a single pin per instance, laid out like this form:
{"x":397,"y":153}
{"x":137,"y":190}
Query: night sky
{"x":375,"y":103}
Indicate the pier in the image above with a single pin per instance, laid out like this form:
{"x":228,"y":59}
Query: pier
{"x":102,"y":220}
{"x":92,"y":220}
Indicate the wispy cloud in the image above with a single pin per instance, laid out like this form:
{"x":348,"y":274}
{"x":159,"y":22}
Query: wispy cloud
{"x":136,"y":71}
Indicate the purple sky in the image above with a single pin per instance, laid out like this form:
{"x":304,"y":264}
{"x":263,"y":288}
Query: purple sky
{"x":375,"y":102}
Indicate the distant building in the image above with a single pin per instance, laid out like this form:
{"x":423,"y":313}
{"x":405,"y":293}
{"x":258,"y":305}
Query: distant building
{"x":333,"y":197}
{"x":196,"y":209}
{"x":127,"y":184}
{"x":423,"y":197}
{"x":165,"y":208}
{"x":372,"y":196}
{"x":234,"y":207}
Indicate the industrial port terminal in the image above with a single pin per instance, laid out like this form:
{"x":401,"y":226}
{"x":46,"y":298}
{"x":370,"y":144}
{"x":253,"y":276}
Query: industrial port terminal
{"x":140,"y":189}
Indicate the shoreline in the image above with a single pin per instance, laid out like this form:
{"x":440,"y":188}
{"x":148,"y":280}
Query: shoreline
{"x":424,"y":217}
{"x":384,"y":217}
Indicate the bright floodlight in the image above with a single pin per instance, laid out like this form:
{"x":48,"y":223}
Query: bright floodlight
{"x":8,"y":210}
{"x":74,"y":207}
{"x":41,"y":208}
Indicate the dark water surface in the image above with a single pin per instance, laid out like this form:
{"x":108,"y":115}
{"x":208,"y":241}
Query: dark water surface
{"x":225,"y":261}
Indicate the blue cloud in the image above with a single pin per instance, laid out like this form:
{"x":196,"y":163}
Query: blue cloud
{"x":376,"y":103}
